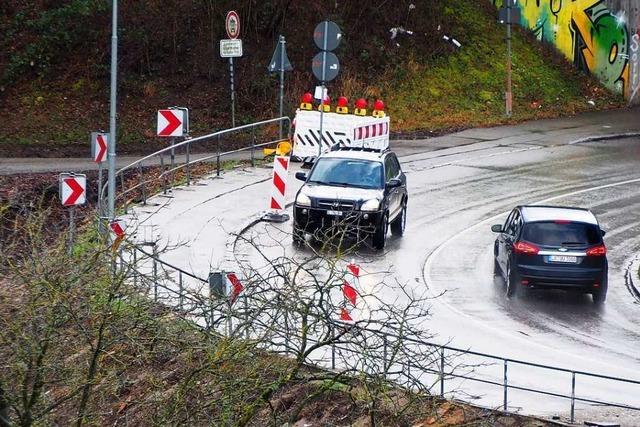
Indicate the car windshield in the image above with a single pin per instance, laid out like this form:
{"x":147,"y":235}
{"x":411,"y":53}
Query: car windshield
{"x":561,"y":233}
{"x":347,"y":172}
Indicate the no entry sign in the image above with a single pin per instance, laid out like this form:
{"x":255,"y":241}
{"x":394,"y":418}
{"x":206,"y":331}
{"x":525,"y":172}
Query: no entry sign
{"x":73,"y":189}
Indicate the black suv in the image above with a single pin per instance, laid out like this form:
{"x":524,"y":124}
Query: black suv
{"x":552,"y":247}
{"x":360,"y":190}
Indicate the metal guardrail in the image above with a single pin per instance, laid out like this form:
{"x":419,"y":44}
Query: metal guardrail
{"x":442,"y":351}
{"x":167,"y":176}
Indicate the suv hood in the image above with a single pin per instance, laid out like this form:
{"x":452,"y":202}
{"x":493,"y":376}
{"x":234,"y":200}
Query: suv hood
{"x":318,"y":191}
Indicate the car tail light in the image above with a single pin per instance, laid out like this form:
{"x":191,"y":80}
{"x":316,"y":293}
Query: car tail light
{"x":600,"y":250}
{"x":525,"y":248}
{"x":562,"y":221}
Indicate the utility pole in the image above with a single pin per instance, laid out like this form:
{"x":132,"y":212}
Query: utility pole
{"x":111,"y":157}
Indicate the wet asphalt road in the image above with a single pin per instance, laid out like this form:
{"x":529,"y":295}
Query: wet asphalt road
{"x":448,"y":245}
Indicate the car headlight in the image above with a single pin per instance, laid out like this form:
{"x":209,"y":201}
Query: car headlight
{"x":370,"y":205}
{"x":303,"y":200}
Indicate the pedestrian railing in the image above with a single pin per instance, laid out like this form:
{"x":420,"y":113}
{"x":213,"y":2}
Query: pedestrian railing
{"x":168,"y":285}
{"x":176,"y":162}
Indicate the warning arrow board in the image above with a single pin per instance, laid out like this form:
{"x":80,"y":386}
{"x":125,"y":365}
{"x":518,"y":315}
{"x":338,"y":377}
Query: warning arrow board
{"x":73,"y":189}
{"x":99,"y":144}
{"x":171,"y":122}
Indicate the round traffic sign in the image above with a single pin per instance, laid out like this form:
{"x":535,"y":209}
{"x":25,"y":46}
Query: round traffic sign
{"x":232,"y":24}
{"x":325,"y":66}
{"x":327,"y":35}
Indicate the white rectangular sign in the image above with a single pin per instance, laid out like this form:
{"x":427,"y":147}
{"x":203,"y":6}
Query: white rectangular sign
{"x":230,"y":48}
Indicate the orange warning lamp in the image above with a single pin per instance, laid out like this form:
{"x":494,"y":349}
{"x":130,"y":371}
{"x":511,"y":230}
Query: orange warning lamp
{"x":342,"y":107}
{"x":378,"y":109}
{"x":325,"y":105}
{"x":361,"y":107}
{"x":307,"y":99}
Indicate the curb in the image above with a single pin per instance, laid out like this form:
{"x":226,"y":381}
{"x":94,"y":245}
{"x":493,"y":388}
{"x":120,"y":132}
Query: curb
{"x":605,"y":137}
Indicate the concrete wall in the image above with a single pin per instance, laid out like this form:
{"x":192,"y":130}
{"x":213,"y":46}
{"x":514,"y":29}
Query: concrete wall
{"x":601,"y":37}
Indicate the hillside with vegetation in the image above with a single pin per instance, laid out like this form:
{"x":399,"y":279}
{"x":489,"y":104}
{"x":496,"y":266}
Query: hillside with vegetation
{"x":54,"y":67}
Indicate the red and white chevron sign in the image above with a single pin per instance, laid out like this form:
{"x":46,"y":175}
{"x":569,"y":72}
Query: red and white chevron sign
{"x":371,"y":131}
{"x":279,"y":181}
{"x":171,"y":122}
{"x":100,"y":144}
{"x":117,"y":227}
{"x":73,"y":189}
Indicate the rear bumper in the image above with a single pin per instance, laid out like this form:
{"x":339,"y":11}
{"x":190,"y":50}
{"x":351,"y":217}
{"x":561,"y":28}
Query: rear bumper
{"x":563,"y":277}
{"x":313,"y":219}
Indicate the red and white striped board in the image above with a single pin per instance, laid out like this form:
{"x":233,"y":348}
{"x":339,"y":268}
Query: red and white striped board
{"x":370,"y":131}
{"x":350,"y":291}
{"x":279,"y":182}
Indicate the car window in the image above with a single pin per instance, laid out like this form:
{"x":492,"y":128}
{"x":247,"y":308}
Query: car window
{"x":507,"y":222}
{"x":347,"y":172}
{"x":513,"y":225}
{"x":392,"y":168}
{"x":561,"y":233}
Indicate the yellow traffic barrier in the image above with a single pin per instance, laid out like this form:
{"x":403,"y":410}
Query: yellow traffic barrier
{"x":282,"y":149}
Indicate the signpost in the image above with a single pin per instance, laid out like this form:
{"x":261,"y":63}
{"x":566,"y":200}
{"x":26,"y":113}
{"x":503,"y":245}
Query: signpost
{"x":72,"y":189}
{"x":173,"y":122}
{"x":508,"y":14}
{"x":280,"y":63}
{"x":232,"y":48}
{"x":325,"y":65}
{"x":99,"y":145}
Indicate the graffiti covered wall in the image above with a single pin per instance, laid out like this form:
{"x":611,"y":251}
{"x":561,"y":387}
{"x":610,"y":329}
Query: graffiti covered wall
{"x":599,"y":36}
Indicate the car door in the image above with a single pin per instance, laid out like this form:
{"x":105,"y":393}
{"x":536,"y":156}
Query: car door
{"x":511,"y":234}
{"x":392,"y":170}
{"x":502,"y":241}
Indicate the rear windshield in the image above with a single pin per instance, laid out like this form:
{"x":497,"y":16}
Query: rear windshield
{"x":561,"y":233}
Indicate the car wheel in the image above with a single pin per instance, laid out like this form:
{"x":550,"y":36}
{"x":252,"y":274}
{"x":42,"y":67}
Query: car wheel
{"x":600,"y":295}
{"x":298,"y":235}
{"x":398,"y":225}
{"x":512,"y":281}
{"x":380,"y":233}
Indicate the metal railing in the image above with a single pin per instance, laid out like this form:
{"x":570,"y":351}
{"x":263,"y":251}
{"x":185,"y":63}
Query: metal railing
{"x":443,"y":352}
{"x":179,"y":157}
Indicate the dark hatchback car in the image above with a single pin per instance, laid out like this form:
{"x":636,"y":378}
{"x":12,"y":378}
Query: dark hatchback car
{"x":359,"y":190}
{"x":552,"y":247}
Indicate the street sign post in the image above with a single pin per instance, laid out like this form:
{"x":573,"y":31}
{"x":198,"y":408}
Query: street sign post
{"x":232,"y":49}
{"x":509,"y":14}
{"x":173,"y":122}
{"x":325,"y":65}
{"x":280,"y":63}
{"x":99,"y":146}
{"x":72,"y":189}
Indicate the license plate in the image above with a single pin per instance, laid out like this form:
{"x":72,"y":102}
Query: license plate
{"x":334,"y":213}
{"x":563,"y":258}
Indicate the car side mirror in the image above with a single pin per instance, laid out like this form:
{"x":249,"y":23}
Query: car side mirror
{"x":302,"y":176}
{"x":394,"y":183}
{"x":496,"y":228}
{"x":602,"y":233}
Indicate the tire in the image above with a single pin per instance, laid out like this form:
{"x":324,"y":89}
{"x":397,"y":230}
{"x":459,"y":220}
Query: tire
{"x":600,"y":296}
{"x":380,"y":234}
{"x":297,"y":235}
{"x":512,"y":281}
{"x":399,"y":223}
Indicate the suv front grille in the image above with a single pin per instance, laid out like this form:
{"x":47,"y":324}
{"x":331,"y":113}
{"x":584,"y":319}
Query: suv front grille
{"x":336,"y":205}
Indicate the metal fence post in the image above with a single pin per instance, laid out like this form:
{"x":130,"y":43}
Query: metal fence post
{"x":155,"y":274}
{"x":142,"y":187}
{"x":135,"y":266}
{"x":253,"y":143}
{"x":506,"y":387}
{"x":180,"y":294}
{"x":187,"y":164}
{"x":442,"y":371}
{"x":164,"y":178}
{"x":124,"y":202}
{"x":246,"y":317}
{"x":333,"y":347}
{"x":573,"y":395}
{"x":218,"y":158}
{"x":384,"y":352}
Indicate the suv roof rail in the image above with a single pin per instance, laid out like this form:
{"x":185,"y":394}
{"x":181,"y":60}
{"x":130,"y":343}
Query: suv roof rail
{"x":366,"y":149}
